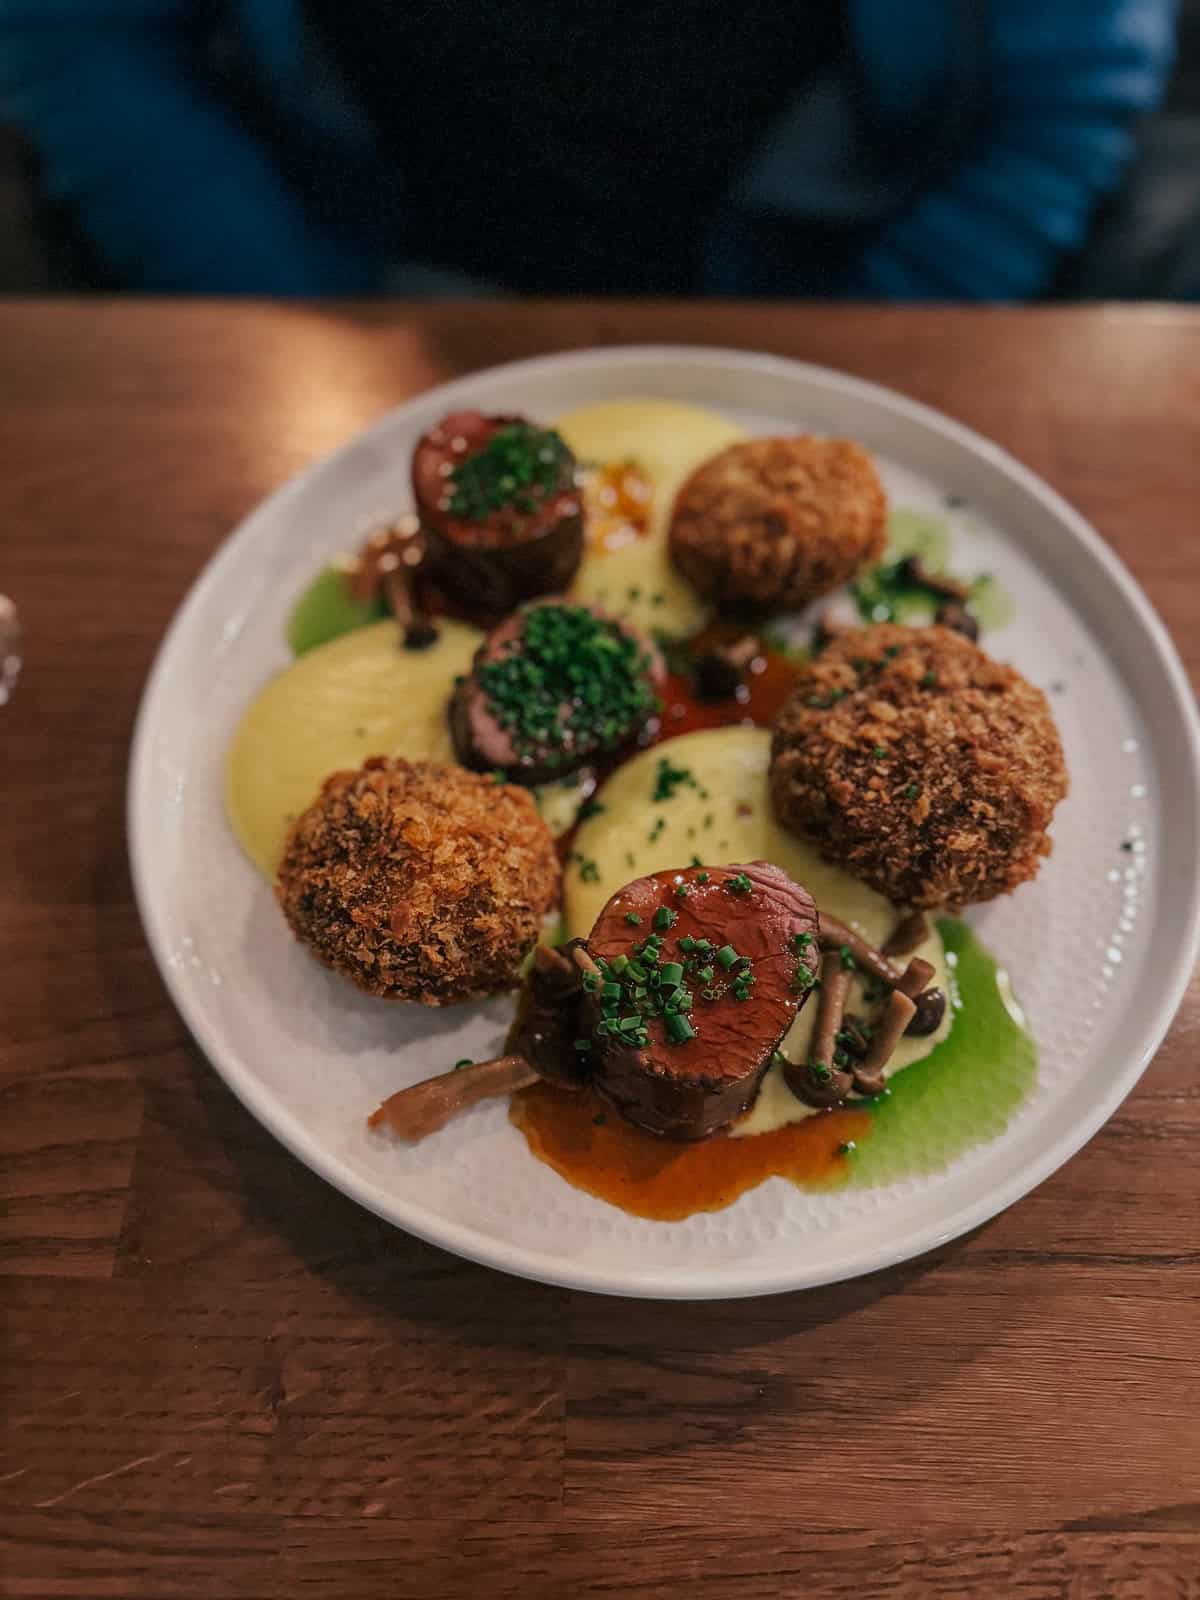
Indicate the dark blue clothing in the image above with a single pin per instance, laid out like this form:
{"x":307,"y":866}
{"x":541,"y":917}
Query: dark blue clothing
{"x":583,"y":148}
{"x":946,"y":149}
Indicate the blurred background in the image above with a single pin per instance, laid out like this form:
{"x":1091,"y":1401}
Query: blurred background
{"x":977,"y":150}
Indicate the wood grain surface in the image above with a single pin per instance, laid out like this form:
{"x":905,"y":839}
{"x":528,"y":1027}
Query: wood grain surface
{"x":222,"y":1379}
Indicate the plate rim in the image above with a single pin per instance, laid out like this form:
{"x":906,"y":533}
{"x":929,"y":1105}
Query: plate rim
{"x":527,"y":1262}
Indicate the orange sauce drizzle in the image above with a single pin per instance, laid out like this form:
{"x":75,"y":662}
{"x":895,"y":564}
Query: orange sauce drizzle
{"x":594,"y":1149}
{"x":766,"y":684}
{"x":617,"y":500}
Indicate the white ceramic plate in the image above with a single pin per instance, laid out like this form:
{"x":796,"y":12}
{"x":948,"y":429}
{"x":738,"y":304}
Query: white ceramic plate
{"x":1099,"y":948}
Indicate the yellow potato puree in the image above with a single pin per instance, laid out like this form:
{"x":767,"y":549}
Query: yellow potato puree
{"x":357,"y":696}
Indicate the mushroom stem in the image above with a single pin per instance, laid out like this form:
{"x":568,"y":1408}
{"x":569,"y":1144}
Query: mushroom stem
{"x":818,"y":1082}
{"x":909,"y":934}
{"x":421,"y":1109}
{"x":913,"y":570}
{"x":835,"y":934}
{"x":897,"y":1014}
{"x":831,"y":1008}
{"x":855,"y":1039}
{"x":380,"y":554}
{"x":418,"y":630}
{"x":953,"y":614}
{"x":915,"y":977}
{"x":387,"y":565}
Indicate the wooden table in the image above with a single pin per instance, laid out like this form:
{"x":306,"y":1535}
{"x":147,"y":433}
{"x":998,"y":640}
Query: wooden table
{"x":223,"y":1379}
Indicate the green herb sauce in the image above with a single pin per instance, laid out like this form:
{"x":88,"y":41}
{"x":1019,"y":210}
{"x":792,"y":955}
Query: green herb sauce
{"x":966,"y":1090}
{"x":326,"y":610}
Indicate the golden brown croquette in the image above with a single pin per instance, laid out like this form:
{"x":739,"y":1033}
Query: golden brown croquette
{"x":920,"y":765}
{"x":419,"y":881}
{"x":770,"y":524}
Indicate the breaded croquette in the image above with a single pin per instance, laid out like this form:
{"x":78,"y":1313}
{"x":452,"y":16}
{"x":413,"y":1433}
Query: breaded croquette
{"x":419,"y":881}
{"x":920,"y":765}
{"x":770,"y":524}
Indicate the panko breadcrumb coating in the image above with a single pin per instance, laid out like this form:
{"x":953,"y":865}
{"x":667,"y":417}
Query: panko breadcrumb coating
{"x":770,"y":524}
{"x":419,"y":881}
{"x":920,"y":765}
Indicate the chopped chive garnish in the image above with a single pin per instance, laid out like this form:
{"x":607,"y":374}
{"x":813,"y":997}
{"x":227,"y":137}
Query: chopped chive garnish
{"x":566,"y":656}
{"x":519,"y":466}
{"x":678,"y":1028}
{"x":665,"y":918}
{"x":669,"y":778}
{"x":633,"y":919}
{"x":727,"y":955}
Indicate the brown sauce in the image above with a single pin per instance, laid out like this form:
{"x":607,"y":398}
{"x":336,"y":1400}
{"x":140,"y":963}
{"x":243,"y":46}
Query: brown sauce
{"x":765,"y":686}
{"x":594,"y":1149}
